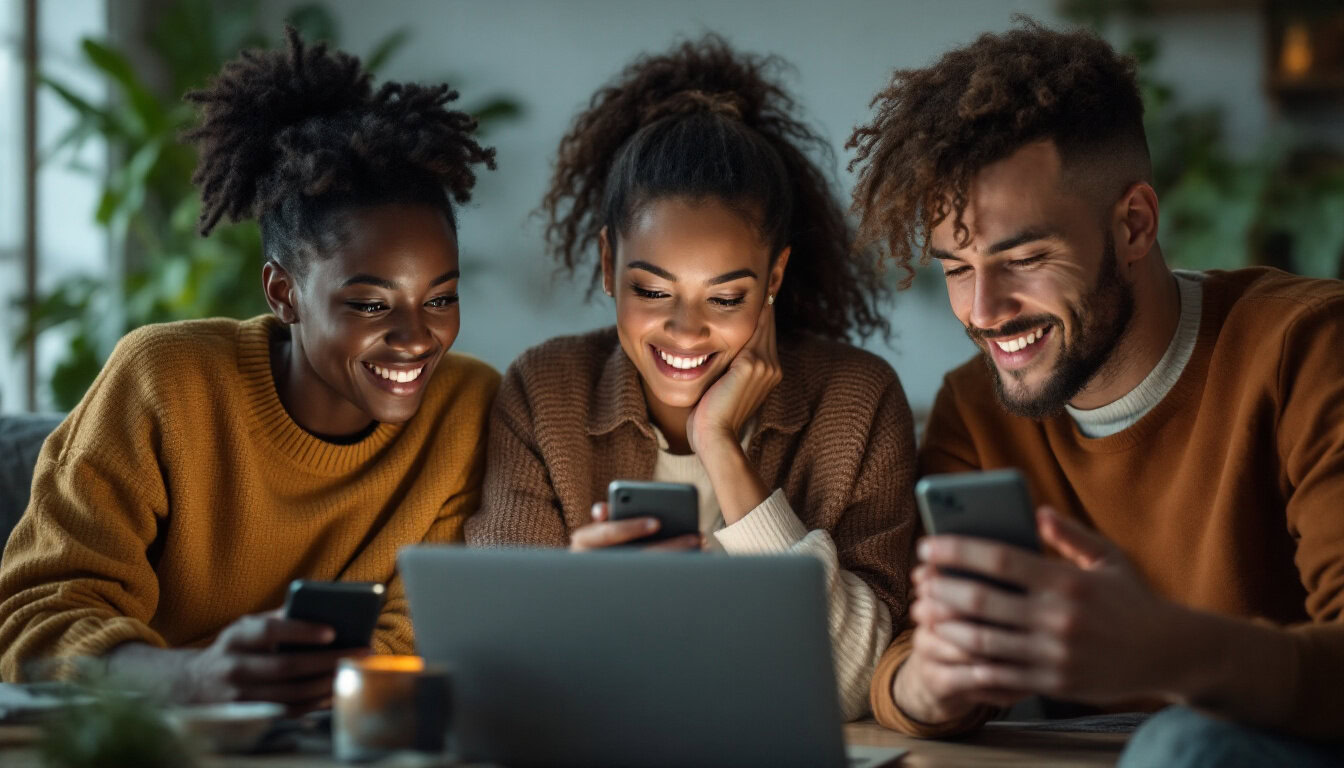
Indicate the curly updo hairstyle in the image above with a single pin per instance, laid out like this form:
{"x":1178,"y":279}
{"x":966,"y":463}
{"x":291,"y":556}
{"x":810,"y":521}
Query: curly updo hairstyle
{"x":703,"y":122}
{"x":298,"y":137}
{"x":937,"y":127}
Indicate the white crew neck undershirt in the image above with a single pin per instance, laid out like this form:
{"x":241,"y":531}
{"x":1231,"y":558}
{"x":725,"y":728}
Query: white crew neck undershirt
{"x":1125,"y":412}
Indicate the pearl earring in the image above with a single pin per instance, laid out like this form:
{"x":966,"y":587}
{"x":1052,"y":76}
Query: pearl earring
{"x":770,"y":299}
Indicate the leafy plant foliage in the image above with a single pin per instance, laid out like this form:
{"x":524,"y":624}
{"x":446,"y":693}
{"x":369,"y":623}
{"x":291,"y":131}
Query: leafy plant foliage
{"x":1280,"y":203}
{"x":148,"y":204}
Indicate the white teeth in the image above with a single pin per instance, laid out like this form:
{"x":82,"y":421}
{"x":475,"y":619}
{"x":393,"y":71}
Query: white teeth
{"x":1021,"y":342}
{"x":683,"y":363}
{"x":401,"y":377}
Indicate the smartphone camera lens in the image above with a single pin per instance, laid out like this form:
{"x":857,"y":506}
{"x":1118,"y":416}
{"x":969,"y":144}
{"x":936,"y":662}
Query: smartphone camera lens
{"x":625,"y":498}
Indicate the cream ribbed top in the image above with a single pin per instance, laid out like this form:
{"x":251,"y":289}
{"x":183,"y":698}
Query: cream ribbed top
{"x":859,"y":623}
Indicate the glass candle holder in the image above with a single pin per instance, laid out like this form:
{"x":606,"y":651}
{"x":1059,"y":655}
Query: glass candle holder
{"x":388,"y":704}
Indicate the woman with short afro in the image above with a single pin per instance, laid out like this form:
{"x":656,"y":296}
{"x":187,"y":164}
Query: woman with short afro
{"x":213,"y":461}
{"x":735,"y":287}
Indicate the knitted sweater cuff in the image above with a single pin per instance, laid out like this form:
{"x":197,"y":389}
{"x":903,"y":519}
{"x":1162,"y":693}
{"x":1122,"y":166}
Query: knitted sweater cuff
{"x":75,"y":655}
{"x":771,"y":527}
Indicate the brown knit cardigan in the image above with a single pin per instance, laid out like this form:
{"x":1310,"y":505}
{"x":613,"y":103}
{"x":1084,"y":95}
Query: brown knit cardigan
{"x":836,"y":434}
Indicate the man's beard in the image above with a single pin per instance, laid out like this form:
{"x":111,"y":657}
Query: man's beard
{"x":1101,"y":320}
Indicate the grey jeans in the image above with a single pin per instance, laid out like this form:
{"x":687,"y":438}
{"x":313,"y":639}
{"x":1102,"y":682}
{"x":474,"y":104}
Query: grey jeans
{"x":1178,"y":737}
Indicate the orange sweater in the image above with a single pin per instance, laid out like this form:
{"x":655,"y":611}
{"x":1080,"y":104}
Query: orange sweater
{"x":1228,"y":495}
{"x":179,"y":496}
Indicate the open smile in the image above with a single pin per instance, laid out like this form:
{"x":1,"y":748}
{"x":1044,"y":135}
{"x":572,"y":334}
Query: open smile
{"x":679,"y":366}
{"x":397,"y":378}
{"x":1017,"y":352}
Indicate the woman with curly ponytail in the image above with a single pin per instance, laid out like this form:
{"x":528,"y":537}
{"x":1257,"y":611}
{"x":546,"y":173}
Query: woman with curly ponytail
{"x":213,"y":461}
{"x":735,"y":286}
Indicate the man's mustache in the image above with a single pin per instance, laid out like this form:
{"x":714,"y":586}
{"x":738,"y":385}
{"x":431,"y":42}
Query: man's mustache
{"x":1015,"y":327}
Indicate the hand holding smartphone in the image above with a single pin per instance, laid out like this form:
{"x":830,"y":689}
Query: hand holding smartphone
{"x":991,"y":505}
{"x":675,"y":505}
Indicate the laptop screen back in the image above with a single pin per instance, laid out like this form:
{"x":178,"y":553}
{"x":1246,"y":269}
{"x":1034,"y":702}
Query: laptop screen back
{"x":629,"y":658}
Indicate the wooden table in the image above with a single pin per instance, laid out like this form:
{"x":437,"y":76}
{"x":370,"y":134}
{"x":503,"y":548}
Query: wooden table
{"x":1002,"y":745}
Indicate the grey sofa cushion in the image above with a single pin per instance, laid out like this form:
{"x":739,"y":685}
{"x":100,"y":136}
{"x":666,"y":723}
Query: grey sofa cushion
{"x":21,"y":439}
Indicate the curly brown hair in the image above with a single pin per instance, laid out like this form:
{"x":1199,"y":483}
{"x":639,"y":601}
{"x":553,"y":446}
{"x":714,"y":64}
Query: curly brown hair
{"x":937,"y":127}
{"x":296,"y":136}
{"x":703,"y":121}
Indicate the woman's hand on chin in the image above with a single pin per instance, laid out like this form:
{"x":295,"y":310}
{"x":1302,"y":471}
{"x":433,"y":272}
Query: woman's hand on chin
{"x":603,"y":533}
{"x":729,"y":402}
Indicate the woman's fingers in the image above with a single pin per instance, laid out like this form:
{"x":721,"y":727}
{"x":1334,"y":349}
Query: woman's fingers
{"x":600,"y":511}
{"x":680,"y":543}
{"x":603,"y":534}
{"x":611,"y":533}
{"x":263,"y":632}
{"x":293,"y":665}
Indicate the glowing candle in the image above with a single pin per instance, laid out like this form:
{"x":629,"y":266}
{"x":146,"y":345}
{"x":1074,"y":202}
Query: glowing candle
{"x":385,"y":704}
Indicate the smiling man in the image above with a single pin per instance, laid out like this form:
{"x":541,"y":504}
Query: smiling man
{"x":1185,"y":431}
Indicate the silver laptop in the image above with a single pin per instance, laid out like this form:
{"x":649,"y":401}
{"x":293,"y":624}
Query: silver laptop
{"x":631,"y":658}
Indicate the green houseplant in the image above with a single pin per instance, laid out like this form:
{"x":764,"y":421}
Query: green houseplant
{"x":148,"y":204}
{"x":1280,"y":203}
{"x":112,"y":730}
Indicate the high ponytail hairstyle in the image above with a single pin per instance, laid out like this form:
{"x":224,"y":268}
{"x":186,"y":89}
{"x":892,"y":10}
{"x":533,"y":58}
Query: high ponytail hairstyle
{"x":296,"y":137}
{"x":703,"y":122}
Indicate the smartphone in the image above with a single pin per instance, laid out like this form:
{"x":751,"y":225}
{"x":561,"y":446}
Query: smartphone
{"x":676,"y":505}
{"x":349,"y":607}
{"x":992,"y":504}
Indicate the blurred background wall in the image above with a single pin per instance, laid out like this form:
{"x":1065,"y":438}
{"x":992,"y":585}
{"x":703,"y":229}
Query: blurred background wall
{"x":1245,"y":135}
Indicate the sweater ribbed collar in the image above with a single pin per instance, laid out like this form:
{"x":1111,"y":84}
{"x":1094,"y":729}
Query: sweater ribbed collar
{"x":272,"y":423}
{"x":1216,"y":299}
{"x":619,"y":396}
{"x":1124,"y":412}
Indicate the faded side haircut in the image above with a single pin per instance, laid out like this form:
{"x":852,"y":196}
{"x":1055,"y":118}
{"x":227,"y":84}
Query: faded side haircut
{"x":937,"y":127}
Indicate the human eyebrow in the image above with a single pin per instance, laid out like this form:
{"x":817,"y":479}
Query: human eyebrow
{"x":1021,"y":238}
{"x":728,"y":277}
{"x":362,"y":279}
{"x":647,"y":267}
{"x":451,"y":274}
{"x":942,"y":255}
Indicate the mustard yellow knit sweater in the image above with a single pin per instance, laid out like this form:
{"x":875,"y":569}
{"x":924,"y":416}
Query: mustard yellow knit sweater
{"x":179,"y":496}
